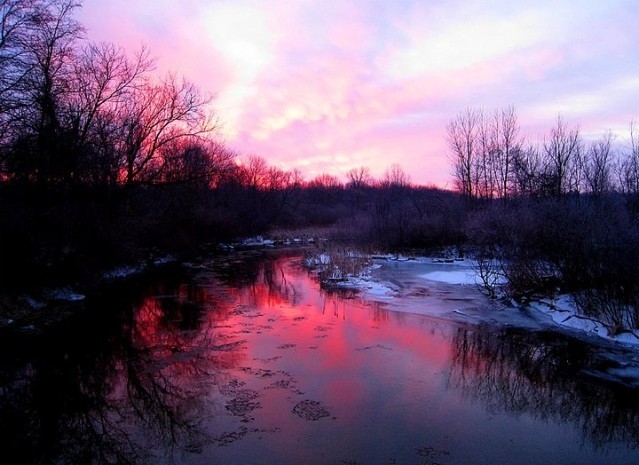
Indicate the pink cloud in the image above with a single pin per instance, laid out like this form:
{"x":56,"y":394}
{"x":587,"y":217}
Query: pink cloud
{"x":327,"y":86}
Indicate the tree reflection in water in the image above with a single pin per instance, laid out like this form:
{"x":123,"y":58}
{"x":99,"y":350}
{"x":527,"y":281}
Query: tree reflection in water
{"x":542,"y":375}
{"x":115,"y":390}
{"x":159,"y":375}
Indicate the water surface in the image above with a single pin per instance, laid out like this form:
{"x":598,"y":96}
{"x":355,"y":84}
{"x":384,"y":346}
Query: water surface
{"x":245,"y":360}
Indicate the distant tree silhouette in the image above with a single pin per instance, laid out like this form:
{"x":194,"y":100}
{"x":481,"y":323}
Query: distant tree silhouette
{"x":359,"y":177}
{"x":462,"y":135}
{"x":562,"y":149}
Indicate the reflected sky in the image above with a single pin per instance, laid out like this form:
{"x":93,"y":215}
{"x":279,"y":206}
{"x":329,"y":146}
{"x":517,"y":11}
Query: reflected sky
{"x":253,"y":363}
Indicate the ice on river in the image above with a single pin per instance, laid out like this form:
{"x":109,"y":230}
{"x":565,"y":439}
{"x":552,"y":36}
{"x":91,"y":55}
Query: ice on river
{"x":463,"y":277}
{"x":453,"y":290}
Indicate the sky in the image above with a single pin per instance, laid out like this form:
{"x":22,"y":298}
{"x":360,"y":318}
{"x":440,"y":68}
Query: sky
{"x":325,"y":86}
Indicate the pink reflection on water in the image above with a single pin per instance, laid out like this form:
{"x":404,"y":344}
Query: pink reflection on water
{"x":257,"y":351}
{"x":335,"y":345}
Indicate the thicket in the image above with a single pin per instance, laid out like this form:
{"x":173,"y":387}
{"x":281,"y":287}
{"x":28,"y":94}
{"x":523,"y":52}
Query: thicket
{"x":556,"y":215}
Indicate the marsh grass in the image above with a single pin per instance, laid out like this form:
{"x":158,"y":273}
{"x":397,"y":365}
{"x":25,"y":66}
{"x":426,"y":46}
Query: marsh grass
{"x":334,"y":264}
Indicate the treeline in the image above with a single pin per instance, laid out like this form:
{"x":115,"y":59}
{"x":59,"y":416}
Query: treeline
{"x":491,"y":159}
{"x":556,"y":214}
{"x":104,"y":163}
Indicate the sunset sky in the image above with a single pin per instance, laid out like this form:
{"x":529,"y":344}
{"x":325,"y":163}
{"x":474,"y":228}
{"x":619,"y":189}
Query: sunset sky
{"x":329,"y":85}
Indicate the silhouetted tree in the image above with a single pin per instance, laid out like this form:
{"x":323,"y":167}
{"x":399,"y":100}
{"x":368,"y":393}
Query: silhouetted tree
{"x":628,"y":168}
{"x":506,"y":146}
{"x":359,"y":177}
{"x":396,"y":177}
{"x":155,"y":116}
{"x":16,"y":19}
{"x":598,"y":165}
{"x":462,"y":135}
{"x":562,"y":150}
{"x":104,"y":79}
{"x":48,"y":55}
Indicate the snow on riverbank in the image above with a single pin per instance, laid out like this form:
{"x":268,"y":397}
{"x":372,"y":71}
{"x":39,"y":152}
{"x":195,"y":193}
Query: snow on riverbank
{"x":563,"y":312}
{"x":415,"y":285}
{"x":462,"y":277}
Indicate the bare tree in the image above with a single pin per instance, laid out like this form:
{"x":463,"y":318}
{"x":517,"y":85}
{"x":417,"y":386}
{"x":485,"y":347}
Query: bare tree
{"x":507,"y":145}
{"x":562,"y":151}
{"x":254,"y":173}
{"x":359,"y":177}
{"x":325,"y":181}
{"x":484,"y":151}
{"x":15,"y":20}
{"x":50,"y":48}
{"x":527,"y":171}
{"x":395,"y":177}
{"x":484,"y":178}
{"x":598,"y":165}
{"x":104,"y":77}
{"x":197,"y":161}
{"x":628,"y":170}
{"x":462,"y":138}
{"x":154,"y":117}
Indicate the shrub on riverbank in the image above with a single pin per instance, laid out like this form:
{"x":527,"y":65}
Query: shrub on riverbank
{"x":334,"y":264}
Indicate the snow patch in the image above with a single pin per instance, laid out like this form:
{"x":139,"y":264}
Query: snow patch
{"x":163,"y":260}
{"x":65,"y":295}
{"x":562,"y":310}
{"x":35,"y":304}
{"x":123,"y":272}
{"x":258,"y":241}
{"x":461,"y":277}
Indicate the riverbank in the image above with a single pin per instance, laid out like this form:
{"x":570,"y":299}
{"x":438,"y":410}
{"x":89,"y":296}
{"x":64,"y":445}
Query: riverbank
{"x":414,"y":284}
{"x":34,"y":312}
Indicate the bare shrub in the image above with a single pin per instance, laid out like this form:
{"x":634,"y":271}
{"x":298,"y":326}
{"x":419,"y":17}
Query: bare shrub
{"x":527,"y":276}
{"x":335,"y":264}
{"x":489,"y":269}
{"x":618,"y":315}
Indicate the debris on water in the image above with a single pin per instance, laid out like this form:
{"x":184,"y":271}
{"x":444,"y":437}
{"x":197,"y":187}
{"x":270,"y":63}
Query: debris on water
{"x":228,"y":346}
{"x":259,"y":372}
{"x":230,"y":437}
{"x":243,"y":403}
{"x":310,"y":410}
{"x":282,"y":384}
{"x":286,"y":346}
{"x":431,"y":454}
{"x":376,"y":346}
{"x":267,"y":360}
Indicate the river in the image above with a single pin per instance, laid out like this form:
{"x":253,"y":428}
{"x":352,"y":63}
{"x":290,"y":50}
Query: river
{"x":244,"y":360}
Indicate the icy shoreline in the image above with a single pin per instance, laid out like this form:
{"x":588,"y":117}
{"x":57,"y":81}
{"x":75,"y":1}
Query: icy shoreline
{"x":406,"y":284}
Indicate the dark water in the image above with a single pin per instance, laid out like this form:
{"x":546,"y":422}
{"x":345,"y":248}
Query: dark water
{"x":246,"y":361}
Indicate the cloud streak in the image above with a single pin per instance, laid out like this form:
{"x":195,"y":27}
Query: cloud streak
{"x":325,"y":86}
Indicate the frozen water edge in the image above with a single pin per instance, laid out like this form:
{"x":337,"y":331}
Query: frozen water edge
{"x":415,"y":285}
{"x":66,"y":295}
{"x":442,"y":290}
